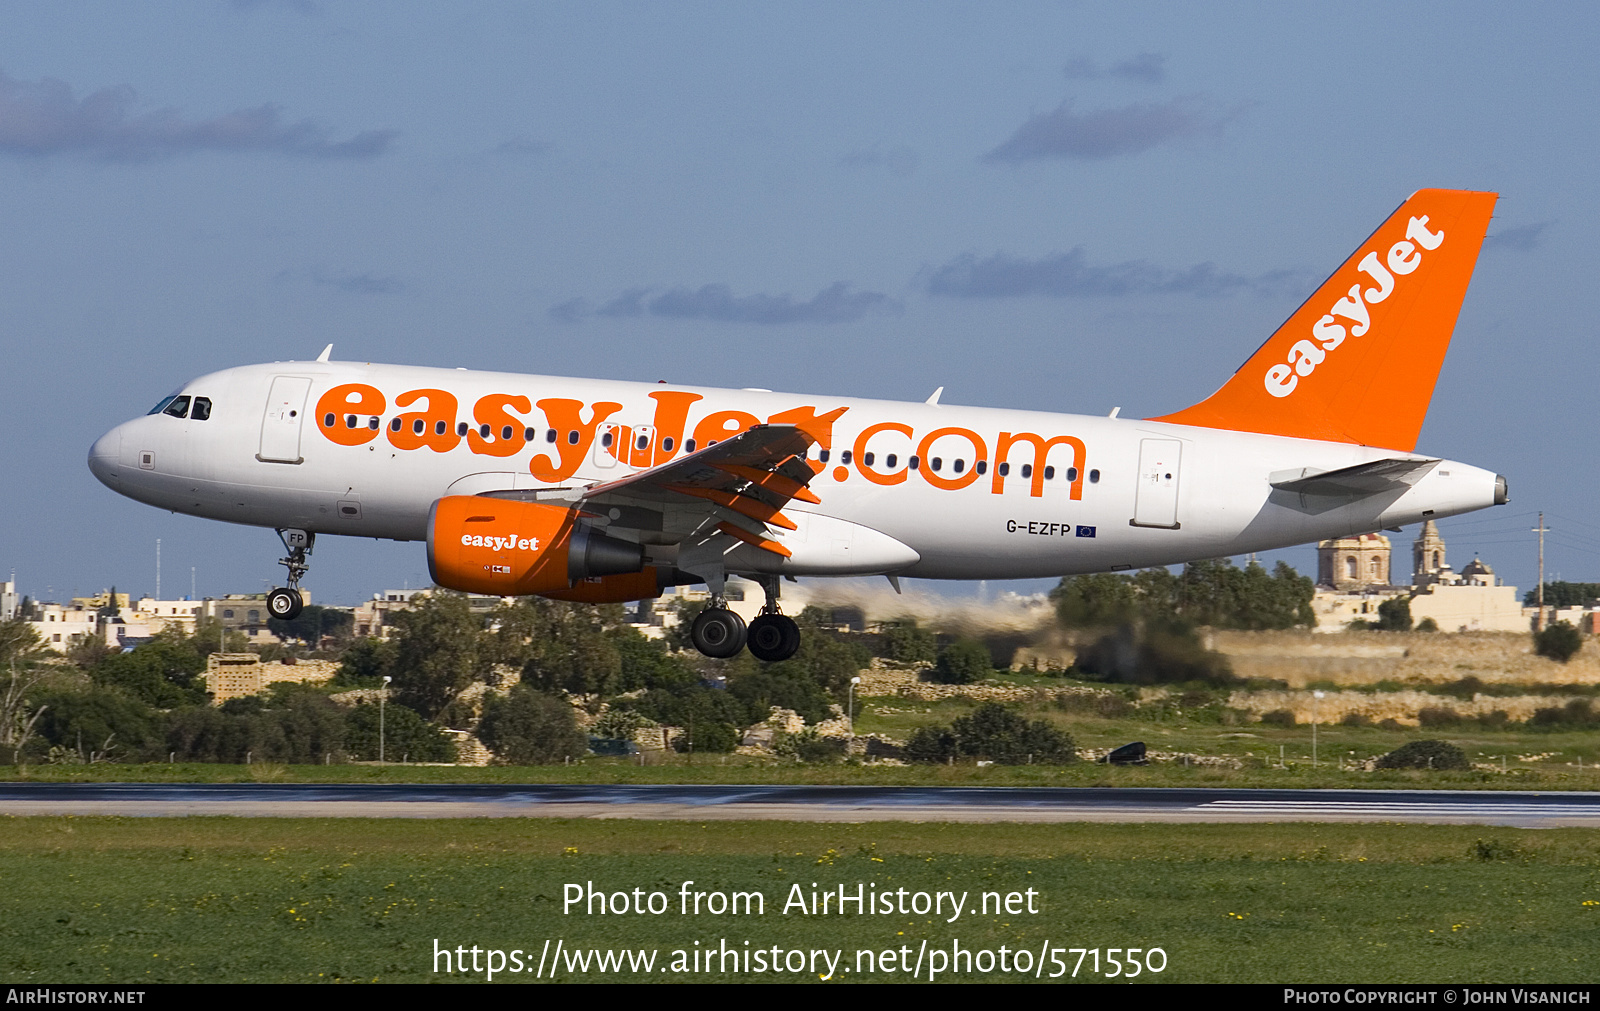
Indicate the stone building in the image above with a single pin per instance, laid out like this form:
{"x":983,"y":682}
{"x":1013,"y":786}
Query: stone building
{"x":1354,"y":564}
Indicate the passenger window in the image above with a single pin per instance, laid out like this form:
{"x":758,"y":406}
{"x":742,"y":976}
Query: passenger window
{"x":528,"y":434}
{"x":1049,"y":473}
{"x":439,"y":427}
{"x":823,"y":456}
{"x":889,"y":462}
{"x":572,"y":438}
{"x":417,"y":426}
{"x":202,"y":409}
{"x":349,"y":421}
{"x":483,"y":432}
{"x":844,"y":458}
{"x":506,"y":433}
{"x":1094,"y":477}
{"x":982,"y":466}
{"x":605,"y":440}
{"x":866,"y":458}
{"x":178,"y":408}
{"x":1072,"y":473}
{"x":667,"y":444}
{"x":461,"y":430}
{"x":937,"y":462}
{"x":1005,"y":469}
{"x":328,"y":420}
{"x":1027,"y":470}
{"x":688,"y":447}
{"x":374,"y":422}
{"x":960,"y":465}
{"x":914,"y":463}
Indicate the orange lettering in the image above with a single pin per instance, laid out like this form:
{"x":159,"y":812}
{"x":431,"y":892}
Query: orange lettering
{"x":434,"y":428}
{"x":672,"y":413}
{"x":818,"y":426}
{"x":344,"y":413}
{"x":491,"y":411}
{"x":861,"y":451}
{"x":1041,"y":450}
{"x":950,"y":483}
{"x":566,"y":417}
{"x":722,"y":425}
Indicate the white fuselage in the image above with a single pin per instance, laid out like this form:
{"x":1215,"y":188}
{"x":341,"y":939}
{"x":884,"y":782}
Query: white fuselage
{"x":1118,"y":493}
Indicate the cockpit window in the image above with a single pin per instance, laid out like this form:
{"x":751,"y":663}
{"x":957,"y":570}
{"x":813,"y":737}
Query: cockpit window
{"x":201,"y":410}
{"x":178,"y":408}
{"x":161,"y":406}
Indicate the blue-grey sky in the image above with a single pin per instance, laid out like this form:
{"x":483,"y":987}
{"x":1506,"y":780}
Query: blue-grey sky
{"x":1052,"y":206}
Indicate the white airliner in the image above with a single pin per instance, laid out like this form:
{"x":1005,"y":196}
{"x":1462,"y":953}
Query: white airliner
{"x":609,"y":491}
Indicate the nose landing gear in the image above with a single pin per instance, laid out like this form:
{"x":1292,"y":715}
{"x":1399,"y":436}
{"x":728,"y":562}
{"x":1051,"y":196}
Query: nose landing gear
{"x":285,"y":603}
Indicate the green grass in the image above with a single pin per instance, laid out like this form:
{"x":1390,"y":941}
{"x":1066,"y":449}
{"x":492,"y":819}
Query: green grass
{"x":215,"y":899}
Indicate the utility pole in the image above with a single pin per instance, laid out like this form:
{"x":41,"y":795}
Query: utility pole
{"x":158,"y":568}
{"x":1541,"y":530}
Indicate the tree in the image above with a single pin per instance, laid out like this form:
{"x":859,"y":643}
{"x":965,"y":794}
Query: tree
{"x":163,"y":672}
{"x":963,"y":662}
{"x":1558,"y":641}
{"x":22,"y":669}
{"x":1394,"y":615}
{"x":1563,"y":594}
{"x":312,"y":624}
{"x":406,"y":735}
{"x":531,"y":728}
{"x":904,"y":642}
{"x":1209,"y":592}
{"x":437,"y":652}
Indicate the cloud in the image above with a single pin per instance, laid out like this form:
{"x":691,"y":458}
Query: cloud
{"x":1107,"y":133}
{"x":358,"y":284}
{"x":1521,"y":239}
{"x":836,"y":303}
{"x":1071,"y":275}
{"x":44,"y":118}
{"x":1146,"y":68}
{"x":901,"y":161}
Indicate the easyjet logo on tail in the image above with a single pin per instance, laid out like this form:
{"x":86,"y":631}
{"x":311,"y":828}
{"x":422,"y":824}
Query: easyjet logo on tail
{"x":1327,"y":333}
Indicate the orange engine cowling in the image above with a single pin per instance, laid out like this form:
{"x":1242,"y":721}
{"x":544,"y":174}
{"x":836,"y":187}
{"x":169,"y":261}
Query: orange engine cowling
{"x":510,"y":548}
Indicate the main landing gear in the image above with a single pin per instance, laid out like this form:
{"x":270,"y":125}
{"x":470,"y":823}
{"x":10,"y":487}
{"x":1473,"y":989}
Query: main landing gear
{"x":772,"y":635}
{"x":285,"y":603}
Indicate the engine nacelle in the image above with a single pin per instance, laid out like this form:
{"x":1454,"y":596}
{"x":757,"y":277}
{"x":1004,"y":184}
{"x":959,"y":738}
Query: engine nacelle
{"x":510,"y":548}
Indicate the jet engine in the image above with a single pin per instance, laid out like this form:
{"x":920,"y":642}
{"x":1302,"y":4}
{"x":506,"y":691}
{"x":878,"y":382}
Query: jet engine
{"x":510,"y":548}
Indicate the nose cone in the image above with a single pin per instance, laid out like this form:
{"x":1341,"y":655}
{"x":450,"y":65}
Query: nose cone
{"x":105,"y":458}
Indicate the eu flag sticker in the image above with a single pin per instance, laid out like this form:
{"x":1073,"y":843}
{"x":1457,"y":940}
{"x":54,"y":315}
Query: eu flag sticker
{"x":1086,"y":531}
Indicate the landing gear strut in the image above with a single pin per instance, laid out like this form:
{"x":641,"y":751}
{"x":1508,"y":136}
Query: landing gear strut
{"x":773,"y":635}
{"x":285,"y":603}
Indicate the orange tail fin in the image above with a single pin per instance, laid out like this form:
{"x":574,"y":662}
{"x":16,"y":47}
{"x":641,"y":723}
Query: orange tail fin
{"x":1358,"y":360}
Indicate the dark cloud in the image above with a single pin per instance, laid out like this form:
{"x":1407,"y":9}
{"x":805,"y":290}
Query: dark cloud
{"x":836,"y":303}
{"x":44,"y":118}
{"x":1106,"y":133}
{"x":1147,"y":68}
{"x":1520,"y":239}
{"x":358,"y":284}
{"x":901,"y":161}
{"x":1071,"y":275}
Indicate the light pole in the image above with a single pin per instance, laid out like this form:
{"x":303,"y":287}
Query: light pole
{"x":851,"y":697}
{"x":381,"y":700}
{"x":1314,"y":697}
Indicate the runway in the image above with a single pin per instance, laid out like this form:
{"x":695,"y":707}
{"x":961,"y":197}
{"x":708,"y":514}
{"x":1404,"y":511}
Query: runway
{"x":804,"y":803}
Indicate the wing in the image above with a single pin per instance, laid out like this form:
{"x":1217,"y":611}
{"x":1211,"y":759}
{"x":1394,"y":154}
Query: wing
{"x":737,"y":487}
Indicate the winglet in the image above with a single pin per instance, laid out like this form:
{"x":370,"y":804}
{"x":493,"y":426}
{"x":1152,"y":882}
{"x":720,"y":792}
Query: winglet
{"x":325,"y":353}
{"x":1357,"y":362}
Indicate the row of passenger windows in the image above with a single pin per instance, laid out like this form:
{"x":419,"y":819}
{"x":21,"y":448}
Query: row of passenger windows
{"x":193,"y":408}
{"x":958,"y":466}
{"x":507,"y":433}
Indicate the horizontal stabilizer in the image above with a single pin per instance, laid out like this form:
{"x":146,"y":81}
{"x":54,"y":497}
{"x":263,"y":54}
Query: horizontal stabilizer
{"x":1361,"y":480}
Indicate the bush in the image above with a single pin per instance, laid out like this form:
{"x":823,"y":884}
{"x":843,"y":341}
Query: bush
{"x":707,"y":736}
{"x":995,"y":733}
{"x":406,"y":735}
{"x":531,"y":728}
{"x":1156,"y":653}
{"x":1560,"y":641}
{"x":1425,"y":755}
{"x":963,"y":662}
{"x":1394,"y":615}
{"x":1279,"y":718}
{"x":810,"y":746}
{"x":1427,"y":625}
{"x":1437,"y":716}
{"x":1356,"y":720}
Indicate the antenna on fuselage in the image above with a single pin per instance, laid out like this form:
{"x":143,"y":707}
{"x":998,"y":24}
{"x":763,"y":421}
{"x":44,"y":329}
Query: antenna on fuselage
{"x":325,"y":353}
